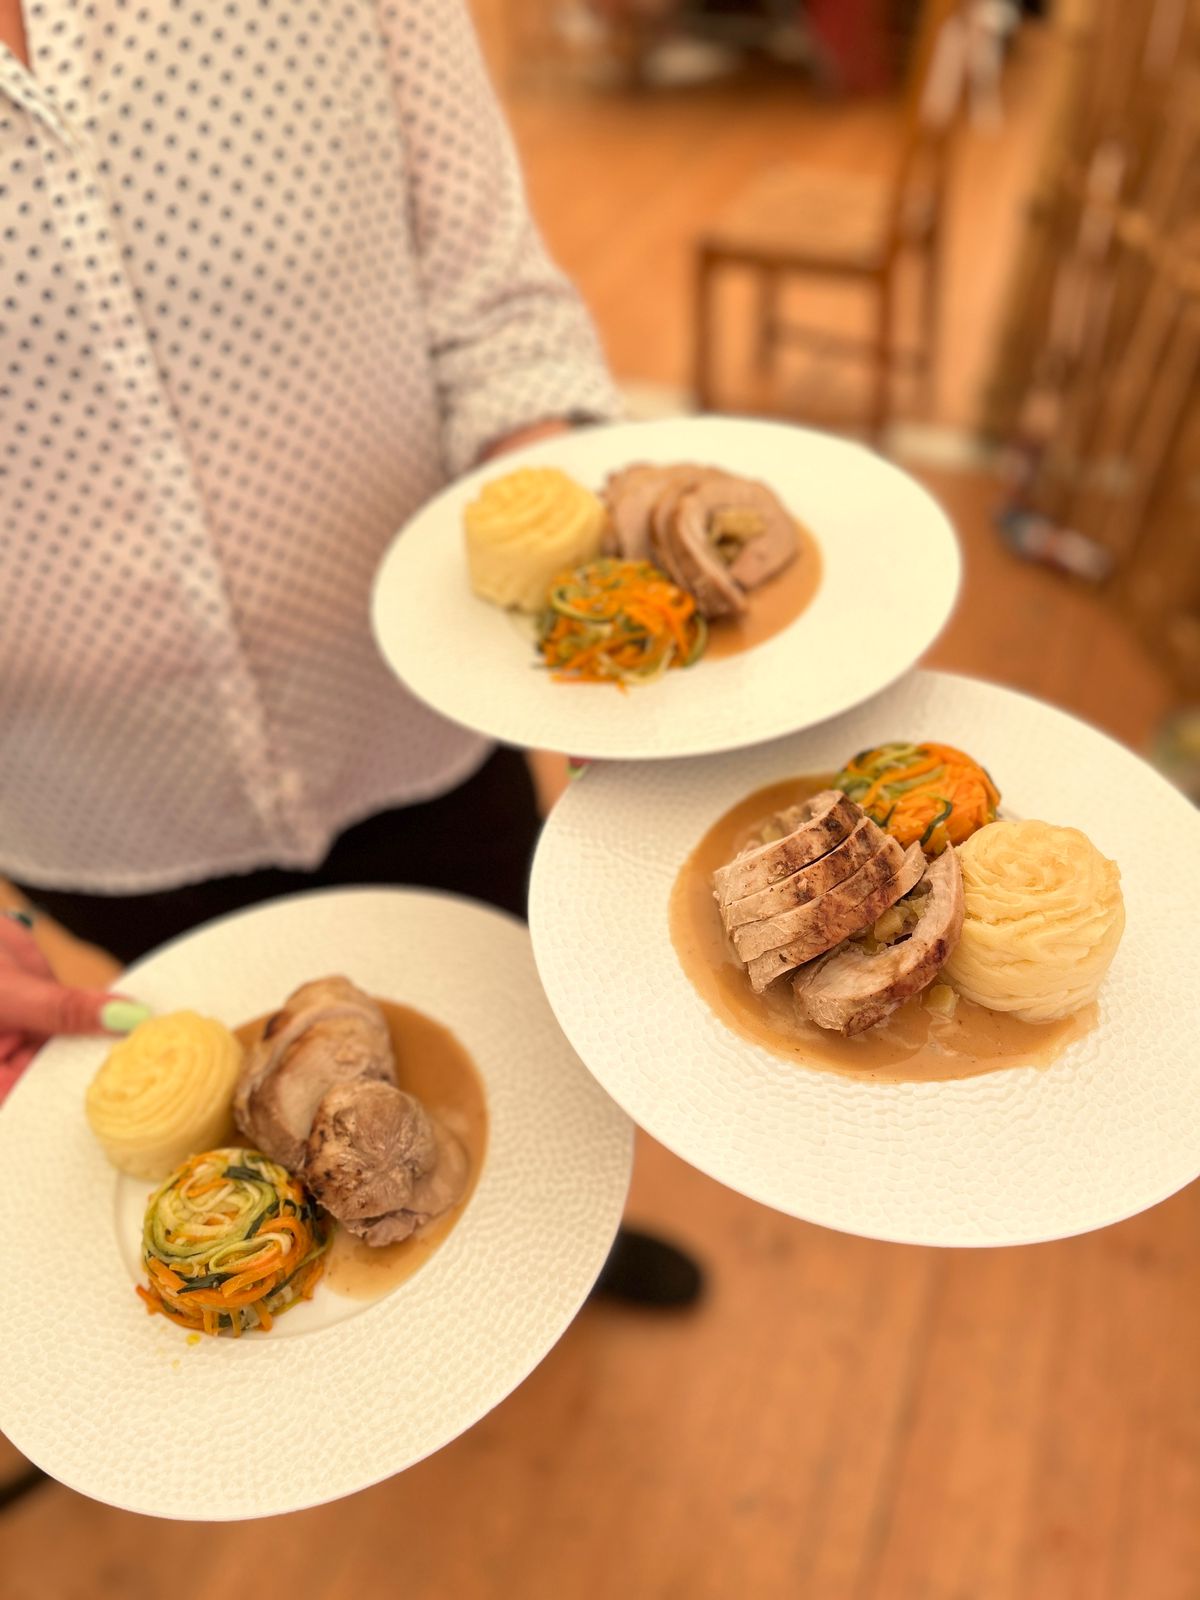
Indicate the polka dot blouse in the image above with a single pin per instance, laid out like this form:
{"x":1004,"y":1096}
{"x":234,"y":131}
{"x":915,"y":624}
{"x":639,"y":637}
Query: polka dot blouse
{"x":267,"y":279}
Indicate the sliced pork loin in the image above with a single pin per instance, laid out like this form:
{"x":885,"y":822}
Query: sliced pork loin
{"x":858,"y":846}
{"x":808,"y":919}
{"x":808,"y":832}
{"x":380,"y":1163}
{"x":837,"y":915}
{"x":328,"y":1032}
{"x":850,"y":990}
{"x":631,"y":497}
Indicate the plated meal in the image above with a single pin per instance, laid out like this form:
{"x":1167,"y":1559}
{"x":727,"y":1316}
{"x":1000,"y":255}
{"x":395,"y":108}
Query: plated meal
{"x":235,"y":1236}
{"x":360,"y":1207}
{"x":716,"y":563}
{"x":664,"y":566}
{"x":901,"y":974}
{"x":883,"y":920}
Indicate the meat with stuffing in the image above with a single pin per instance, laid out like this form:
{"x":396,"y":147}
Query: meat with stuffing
{"x":852,"y":989}
{"x":713,"y":534}
{"x":684,"y":547}
{"x":744,"y":523}
{"x":838,"y":915}
{"x":380,"y":1163}
{"x":327,"y":1033}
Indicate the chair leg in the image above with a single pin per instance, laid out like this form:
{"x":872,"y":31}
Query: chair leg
{"x":884,"y":332}
{"x":703,"y":328}
{"x":767,"y":330}
{"x":931,"y":308}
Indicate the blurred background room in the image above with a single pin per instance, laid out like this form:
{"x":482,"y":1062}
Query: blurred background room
{"x":968,"y":232}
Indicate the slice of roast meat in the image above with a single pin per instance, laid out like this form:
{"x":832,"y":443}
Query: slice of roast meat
{"x":662,"y":519}
{"x":750,"y":531}
{"x":810,"y":919}
{"x":801,"y":887}
{"x":328,"y":1032}
{"x":694,"y":560}
{"x":711,"y":533}
{"x":379,"y":1163}
{"x":817,"y":826}
{"x":631,"y":496}
{"x":850,"y":990}
{"x":834,"y":917}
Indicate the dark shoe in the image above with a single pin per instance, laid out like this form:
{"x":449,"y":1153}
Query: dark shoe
{"x":644,"y":1271}
{"x":17,"y":1488}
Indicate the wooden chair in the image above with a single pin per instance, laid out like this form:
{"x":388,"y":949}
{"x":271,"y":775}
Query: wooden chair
{"x":793,"y":220}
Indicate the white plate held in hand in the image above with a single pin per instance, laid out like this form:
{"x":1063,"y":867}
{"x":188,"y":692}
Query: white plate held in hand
{"x":1011,"y":1157}
{"x":121,"y":1406}
{"x":890,"y":573}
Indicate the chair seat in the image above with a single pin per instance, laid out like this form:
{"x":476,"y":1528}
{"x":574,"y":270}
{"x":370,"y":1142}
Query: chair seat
{"x":826,"y":221}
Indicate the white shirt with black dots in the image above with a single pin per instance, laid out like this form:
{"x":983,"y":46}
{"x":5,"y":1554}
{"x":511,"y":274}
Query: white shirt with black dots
{"x":267,"y":279}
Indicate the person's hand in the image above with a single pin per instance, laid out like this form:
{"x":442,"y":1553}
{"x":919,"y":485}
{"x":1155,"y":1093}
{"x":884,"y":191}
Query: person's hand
{"x":34,"y":1005}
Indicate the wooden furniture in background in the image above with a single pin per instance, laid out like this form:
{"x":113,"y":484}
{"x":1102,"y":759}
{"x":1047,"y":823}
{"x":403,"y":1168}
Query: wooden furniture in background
{"x":793,"y":220}
{"x":1097,"y":383}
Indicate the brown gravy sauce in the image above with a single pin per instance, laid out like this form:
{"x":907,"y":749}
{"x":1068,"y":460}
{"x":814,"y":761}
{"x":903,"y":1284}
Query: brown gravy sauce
{"x":434,"y":1066}
{"x":773,"y":607}
{"x":913,"y":1046}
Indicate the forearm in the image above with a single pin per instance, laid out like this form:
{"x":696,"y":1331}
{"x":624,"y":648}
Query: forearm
{"x":511,"y":343}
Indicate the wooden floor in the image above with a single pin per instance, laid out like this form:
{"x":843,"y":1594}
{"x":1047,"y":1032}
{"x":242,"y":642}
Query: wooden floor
{"x":841,"y":1420}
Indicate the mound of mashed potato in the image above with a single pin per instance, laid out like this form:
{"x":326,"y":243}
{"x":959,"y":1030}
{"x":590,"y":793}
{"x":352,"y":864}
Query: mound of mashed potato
{"x":1044,"y":917}
{"x":165,"y":1092}
{"x":524,"y":529}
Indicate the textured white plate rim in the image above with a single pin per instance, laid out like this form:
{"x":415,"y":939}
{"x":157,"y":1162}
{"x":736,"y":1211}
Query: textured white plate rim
{"x":550,"y":863}
{"x":721,"y":705}
{"x":608,"y":1147}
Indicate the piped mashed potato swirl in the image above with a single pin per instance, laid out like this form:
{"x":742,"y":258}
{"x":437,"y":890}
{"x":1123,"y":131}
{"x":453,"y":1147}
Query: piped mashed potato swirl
{"x":1043,"y":918}
{"x":164,"y":1092}
{"x":524,"y":528}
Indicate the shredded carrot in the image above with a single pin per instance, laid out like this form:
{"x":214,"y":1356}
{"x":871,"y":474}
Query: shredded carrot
{"x":621,"y":622}
{"x":927,"y":794}
{"x":237,"y":1262}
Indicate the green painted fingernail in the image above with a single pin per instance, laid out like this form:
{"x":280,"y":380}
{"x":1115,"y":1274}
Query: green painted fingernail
{"x":123,"y":1016}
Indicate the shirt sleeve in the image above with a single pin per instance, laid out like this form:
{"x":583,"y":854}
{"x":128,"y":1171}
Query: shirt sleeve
{"x":510,"y":339}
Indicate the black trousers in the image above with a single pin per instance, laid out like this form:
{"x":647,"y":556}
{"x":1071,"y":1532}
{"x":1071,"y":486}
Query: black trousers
{"x":476,"y":841}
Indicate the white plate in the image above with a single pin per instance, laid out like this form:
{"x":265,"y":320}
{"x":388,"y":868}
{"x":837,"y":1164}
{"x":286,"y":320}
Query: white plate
{"x":1011,"y":1157}
{"x":120,"y":1406}
{"x":890,"y":576}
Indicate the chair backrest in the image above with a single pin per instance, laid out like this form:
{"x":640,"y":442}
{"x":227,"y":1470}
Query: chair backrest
{"x":933,"y":98}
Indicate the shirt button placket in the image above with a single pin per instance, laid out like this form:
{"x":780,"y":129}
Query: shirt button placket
{"x":128,"y":356}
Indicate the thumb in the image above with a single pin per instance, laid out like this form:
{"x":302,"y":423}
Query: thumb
{"x":40,"y":1005}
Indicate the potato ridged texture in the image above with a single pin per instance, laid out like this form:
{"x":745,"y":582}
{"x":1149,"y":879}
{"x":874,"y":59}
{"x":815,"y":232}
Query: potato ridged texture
{"x":1044,"y":917}
{"x":165,"y":1092}
{"x":524,"y":529}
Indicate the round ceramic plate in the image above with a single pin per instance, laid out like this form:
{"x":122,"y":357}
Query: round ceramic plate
{"x":1010,"y":1157}
{"x":121,"y":1406}
{"x":890,"y":572}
